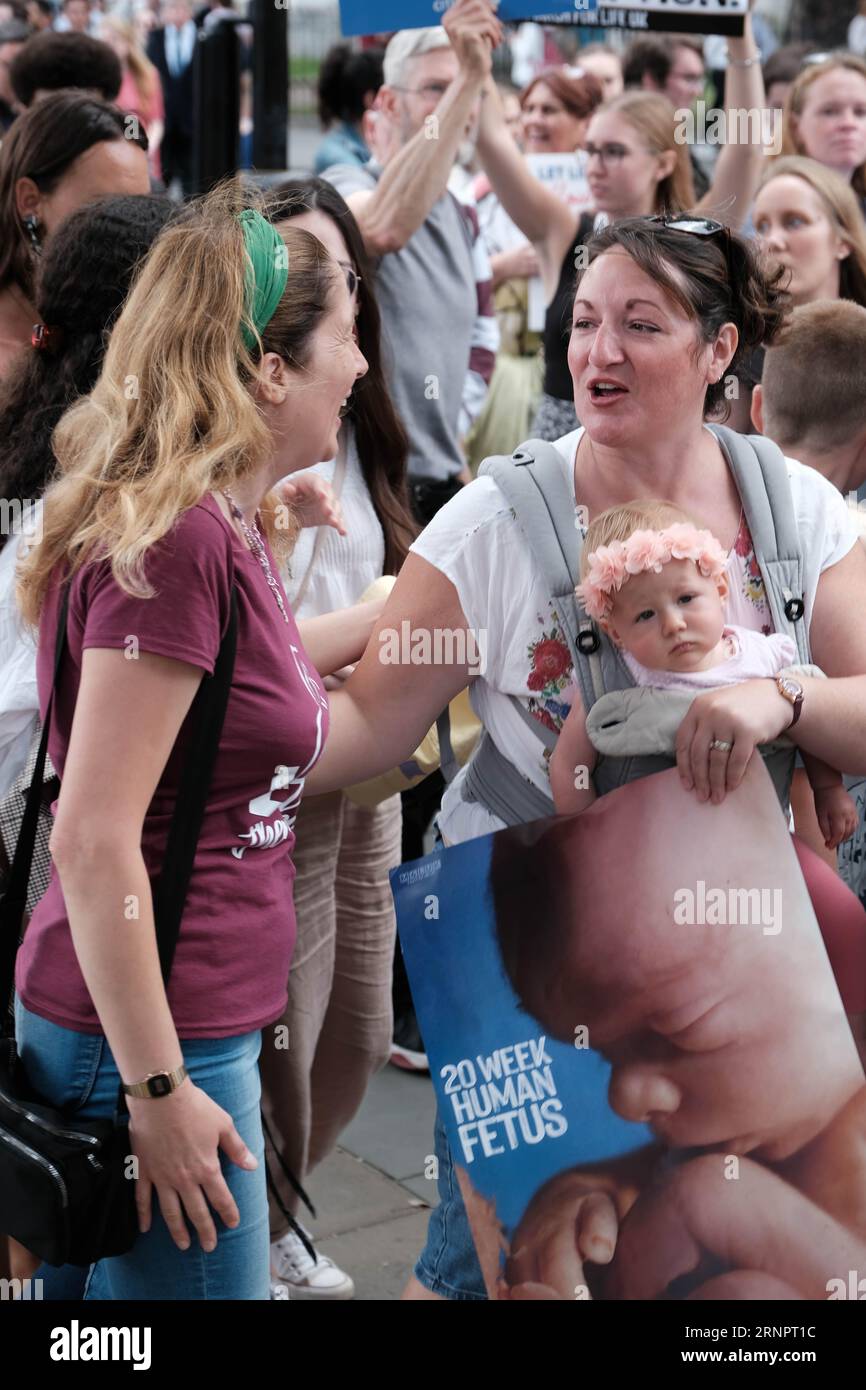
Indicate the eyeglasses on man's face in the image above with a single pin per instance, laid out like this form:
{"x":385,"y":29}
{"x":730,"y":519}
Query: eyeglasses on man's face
{"x":431,"y":91}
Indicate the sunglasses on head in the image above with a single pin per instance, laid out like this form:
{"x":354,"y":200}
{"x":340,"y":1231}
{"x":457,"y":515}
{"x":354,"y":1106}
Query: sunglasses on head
{"x":695,"y":226}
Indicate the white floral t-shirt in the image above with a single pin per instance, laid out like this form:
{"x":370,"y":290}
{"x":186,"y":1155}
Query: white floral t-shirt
{"x":477,"y":543}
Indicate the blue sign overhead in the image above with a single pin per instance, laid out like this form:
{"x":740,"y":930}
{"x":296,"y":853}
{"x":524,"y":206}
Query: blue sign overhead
{"x":707,"y":16}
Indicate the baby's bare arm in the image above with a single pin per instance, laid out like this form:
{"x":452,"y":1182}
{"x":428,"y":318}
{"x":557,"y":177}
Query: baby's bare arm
{"x":752,"y":1222}
{"x":571,"y":764}
{"x":835,"y":809}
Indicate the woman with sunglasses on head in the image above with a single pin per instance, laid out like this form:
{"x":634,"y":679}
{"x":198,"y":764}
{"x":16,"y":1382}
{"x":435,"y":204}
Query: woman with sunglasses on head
{"x":662,"y":313}
{"x":637,"y":163}
{"x":67,"y":149}
{"x":339,"y":1010}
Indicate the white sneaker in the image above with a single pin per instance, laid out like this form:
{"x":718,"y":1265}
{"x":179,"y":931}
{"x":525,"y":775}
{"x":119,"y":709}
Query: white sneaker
{"x":304,"y":1277}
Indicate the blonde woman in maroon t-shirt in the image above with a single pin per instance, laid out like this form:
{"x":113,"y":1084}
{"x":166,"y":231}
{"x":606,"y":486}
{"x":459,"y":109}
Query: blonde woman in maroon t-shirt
{"x":227,"y":370}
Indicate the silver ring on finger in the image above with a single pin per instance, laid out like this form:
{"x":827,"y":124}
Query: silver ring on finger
{"x":721,"y":744}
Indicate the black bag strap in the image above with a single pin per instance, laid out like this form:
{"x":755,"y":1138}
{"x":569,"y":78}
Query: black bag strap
{"x":170,"y":889}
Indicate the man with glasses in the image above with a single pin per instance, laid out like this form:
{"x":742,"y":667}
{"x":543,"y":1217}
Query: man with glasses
{"x":673,"y":65}
{"x":432,"y":273}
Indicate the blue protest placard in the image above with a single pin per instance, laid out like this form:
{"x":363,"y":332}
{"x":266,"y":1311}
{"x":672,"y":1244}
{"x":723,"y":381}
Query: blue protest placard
{"x":703,"y":16}
{"x":382,"y":16}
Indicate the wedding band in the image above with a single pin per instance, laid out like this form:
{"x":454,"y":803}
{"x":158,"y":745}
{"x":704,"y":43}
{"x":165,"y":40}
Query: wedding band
{"x":722,"y":746}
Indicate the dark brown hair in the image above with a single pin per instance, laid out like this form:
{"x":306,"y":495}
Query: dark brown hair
{"x":714,"y":279}
{"x":42,"y":145}
{"x":655,"y":54}
{"x":579,"y":95}
{"x":381,"y":439}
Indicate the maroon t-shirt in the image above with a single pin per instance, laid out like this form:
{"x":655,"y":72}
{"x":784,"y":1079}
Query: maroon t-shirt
{"x":232,"y":961}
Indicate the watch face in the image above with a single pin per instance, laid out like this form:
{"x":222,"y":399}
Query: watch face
{"x":793,"y":689}
{"x":159,"y":1085}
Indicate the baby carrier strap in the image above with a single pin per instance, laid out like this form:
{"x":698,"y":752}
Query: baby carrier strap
{"x":534,"y":484}
{"x":765,"y":493}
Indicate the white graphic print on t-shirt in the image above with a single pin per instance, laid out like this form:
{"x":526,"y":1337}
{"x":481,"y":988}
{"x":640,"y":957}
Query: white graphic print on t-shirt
{"x":265,"y":834}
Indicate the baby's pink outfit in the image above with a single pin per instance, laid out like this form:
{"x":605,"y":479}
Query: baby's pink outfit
{"x":756,"y":655}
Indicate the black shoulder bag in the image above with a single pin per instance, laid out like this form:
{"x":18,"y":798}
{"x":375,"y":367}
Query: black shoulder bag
{"x":64,"y":1190}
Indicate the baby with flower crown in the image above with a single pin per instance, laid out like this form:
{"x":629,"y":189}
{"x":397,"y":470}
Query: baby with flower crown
{"x":656,"y":583}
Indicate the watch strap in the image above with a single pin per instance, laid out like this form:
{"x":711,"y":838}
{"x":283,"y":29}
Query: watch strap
{"x":795,"y":701}
{"x":156,"y":1084}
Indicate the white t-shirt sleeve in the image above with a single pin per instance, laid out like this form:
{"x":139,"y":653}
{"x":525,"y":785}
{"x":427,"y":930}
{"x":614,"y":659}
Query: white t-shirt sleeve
{"x":822,"y":516}
{"x":467,"y":541}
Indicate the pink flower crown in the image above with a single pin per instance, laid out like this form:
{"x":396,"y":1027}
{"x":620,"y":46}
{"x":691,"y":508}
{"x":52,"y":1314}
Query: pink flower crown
{"x":611,"y":565}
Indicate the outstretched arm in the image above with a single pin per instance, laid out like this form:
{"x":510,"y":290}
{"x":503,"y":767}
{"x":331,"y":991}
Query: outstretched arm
{"x":408,"y":674}
{"x":543,"y":218}
{"x":416,"y":176}
{"x":740,"y":161}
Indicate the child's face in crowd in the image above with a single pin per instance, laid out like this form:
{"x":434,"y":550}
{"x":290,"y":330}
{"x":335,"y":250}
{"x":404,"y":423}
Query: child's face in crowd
{"x":671,"y":621}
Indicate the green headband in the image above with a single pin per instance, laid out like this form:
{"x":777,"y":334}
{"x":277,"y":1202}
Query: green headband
{"x":264,"y":286}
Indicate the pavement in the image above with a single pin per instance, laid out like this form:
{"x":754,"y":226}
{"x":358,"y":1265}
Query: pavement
{"x":372,"y":1196}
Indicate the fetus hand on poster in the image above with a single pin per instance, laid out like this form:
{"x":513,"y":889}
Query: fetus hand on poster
{"x":707,"y":1231}
{"x":571,"y":1222}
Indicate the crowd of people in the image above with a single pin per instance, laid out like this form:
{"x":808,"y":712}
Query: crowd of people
{"x":263,"y":414}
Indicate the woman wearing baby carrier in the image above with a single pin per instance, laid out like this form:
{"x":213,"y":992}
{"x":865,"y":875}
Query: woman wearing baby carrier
{"x":663,"y":314}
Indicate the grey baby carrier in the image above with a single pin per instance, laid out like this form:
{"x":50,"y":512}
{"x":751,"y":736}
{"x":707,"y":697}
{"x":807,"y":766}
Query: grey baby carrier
{"x":535,"y":484}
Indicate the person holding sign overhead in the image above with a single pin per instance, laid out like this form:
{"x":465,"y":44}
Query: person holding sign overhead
{"x":433,"y":276}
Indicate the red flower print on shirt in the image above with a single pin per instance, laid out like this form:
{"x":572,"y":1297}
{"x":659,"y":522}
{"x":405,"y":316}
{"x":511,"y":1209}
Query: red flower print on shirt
{"x":550,"y":660}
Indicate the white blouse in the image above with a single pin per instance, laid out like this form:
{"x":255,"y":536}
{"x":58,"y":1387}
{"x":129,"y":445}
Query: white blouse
{"x":345,"y":565}
{"x":19,"y":698}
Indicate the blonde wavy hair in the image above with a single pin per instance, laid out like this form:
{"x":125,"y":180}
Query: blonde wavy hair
{"x":620,"y":522}
{"x":795,"y":102}
{"x":654,"y":121}
{"x":173,"y":415}
{"x":144,"y":74}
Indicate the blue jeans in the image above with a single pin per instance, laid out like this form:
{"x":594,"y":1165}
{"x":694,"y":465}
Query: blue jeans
{"x":448,"y":1264}
{"x":77,"y":1070}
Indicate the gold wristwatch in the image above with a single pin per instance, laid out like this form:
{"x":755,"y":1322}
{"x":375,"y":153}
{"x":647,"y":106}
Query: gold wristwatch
{"x":792,"y":691}
{"x":156,"y":1084}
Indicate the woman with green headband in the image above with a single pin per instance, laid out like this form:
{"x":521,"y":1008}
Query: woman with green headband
{"x":227,"y":370}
